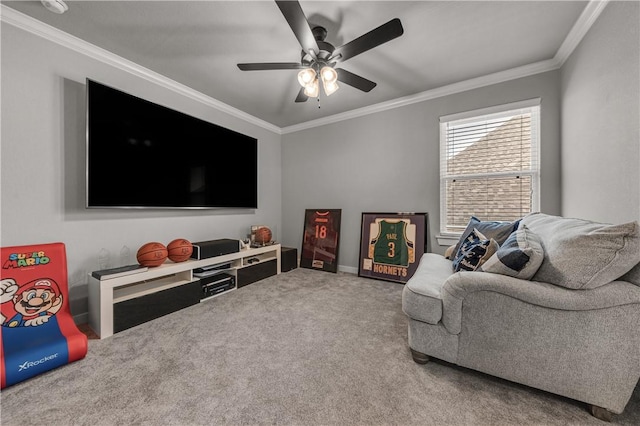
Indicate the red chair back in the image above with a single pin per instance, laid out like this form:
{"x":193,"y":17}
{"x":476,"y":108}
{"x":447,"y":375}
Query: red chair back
{"x":38,"y":332}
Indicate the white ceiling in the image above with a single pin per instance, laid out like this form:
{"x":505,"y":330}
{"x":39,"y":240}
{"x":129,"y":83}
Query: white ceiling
{"x":199,"y":43}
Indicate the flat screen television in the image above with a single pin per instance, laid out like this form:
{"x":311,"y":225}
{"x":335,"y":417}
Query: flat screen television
{"x":144,"y":155}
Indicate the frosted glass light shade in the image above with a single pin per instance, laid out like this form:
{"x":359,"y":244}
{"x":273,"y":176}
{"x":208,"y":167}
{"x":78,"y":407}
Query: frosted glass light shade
{"x":330,"y":88}
{"x":55,"y":6}
{"x":312,"y":90}
{"x":328,"y":75}
{"x":306,"y":76}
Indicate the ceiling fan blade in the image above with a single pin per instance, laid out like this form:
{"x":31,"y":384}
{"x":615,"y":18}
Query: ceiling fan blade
{"x":355,"y":80}
{"x":271,"y":66}
{"x":373,"y":38}
{"x":301,"y":96}
{"x":294,"y":15}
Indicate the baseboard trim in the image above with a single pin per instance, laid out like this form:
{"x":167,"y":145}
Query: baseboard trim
{"x":81,"y":318}
{"x":348,"y":269}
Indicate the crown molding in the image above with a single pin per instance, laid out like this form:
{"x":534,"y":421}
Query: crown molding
{"x":20,"y":20}
{"x":462,"y":86}
{"x":588,"y":16}
{"x":582,"y":25}
{"x":584,"y":22}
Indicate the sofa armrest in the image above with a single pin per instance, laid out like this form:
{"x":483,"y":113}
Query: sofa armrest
{"x":462,"y":284}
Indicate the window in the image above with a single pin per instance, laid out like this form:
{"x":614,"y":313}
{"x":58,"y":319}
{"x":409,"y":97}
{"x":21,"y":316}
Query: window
{"x":489,"y":164}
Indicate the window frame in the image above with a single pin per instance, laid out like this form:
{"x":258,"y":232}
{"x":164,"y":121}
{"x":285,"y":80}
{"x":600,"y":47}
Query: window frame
{"x":479,"y":115}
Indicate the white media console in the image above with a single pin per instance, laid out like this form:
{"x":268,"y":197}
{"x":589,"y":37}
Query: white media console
{"x":145,"y":288}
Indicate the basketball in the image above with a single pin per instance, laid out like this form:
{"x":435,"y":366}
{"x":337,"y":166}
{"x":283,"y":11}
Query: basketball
{"x":263,"y":235}
{"x":179,"y":250}
{"x":152,"y":254}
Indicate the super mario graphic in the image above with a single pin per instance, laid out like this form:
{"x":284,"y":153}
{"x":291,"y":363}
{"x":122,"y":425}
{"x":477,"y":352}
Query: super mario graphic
{"x":34,"y":302}
{"x":37,"y":330}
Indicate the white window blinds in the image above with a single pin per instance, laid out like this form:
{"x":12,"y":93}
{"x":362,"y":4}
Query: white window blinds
{"x":489,"y":164}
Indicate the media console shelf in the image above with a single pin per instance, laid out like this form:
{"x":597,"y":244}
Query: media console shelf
{"x":171,"y":287}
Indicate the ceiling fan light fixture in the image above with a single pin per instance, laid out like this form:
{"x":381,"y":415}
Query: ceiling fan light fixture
{"x":312,"y":89}
{"x":318,"y":57}
{"x":330,"y":87}
{"x":306,"y":76}
{"x":328,"y":75}
{"x":55,"y":6}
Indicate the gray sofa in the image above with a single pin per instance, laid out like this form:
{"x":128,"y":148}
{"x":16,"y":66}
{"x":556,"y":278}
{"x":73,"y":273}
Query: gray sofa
{"x":565,"y":319}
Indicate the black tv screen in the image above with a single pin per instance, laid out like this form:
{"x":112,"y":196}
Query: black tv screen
{"x":144,"y":155}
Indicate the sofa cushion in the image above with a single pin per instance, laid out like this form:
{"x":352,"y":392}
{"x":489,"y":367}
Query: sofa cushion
{"x":421,"y":295}
{"x":474,"y":251}
{"x":460,"y":288}
{"x":581,"y":254}
{"x":498,"y":230}
{"x":633,"y":276}
{"x":519,"y":256}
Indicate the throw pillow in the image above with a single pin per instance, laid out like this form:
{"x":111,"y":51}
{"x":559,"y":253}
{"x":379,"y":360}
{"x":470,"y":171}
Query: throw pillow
{"x":581,"y":254}
{"x":474,"y":251}
{"x":449,"y":253}
{"x":498,"y":230}
{"x":519,"y":256}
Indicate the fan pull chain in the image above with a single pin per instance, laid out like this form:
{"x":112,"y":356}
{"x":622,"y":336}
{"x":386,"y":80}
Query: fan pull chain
{"x":318,"y":98}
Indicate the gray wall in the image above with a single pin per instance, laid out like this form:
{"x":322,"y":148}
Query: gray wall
{"x":386,"y":161}
{"x":601,"y":119}
{"x":389,"y":161}
{"x":42,"y":163}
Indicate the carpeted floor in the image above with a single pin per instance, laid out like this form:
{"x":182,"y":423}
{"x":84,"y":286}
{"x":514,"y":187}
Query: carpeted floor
{"x":302,"y":348}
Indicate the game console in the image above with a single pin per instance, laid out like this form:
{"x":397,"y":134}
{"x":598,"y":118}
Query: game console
{"x":207,"y":271}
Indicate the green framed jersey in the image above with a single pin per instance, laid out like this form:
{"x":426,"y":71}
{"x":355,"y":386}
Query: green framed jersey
{"x":391,"y":245}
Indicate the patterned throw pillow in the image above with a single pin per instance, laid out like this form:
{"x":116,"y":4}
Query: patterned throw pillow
{"x":498,"y":230}
{"x":474,"y":251}
{"x":519,"y":256}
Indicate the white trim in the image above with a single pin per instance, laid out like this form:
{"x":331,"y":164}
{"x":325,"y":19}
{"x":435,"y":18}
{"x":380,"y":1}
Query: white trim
{"x":462,"y":86}
{"x":447,"y":240}
{"x":473,"y":117}
{"x":81,"y":318}
{"x":588,"y":16}
{"x":582,"y":25}
{"x":580,"y":28}
{"x":474,"y":176}
{"x":528,"y":103}
{"x":27,"y":23}
{"x":348,"y":269}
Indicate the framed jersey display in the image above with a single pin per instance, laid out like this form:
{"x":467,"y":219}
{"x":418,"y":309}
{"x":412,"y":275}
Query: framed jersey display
{"x":391,"y":245}
{"x":320,"y":239}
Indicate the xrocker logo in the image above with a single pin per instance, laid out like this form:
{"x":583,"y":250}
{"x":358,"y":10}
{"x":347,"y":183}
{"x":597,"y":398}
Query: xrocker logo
{"x":28,"y":364}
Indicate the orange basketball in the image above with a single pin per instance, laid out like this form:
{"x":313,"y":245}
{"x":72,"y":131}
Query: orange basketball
{"x":179,"y":250}
{"x":152,"y":254}
{"x":263,"y":235}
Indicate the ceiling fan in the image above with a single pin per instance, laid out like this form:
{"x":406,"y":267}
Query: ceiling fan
{"x":319,"y":58}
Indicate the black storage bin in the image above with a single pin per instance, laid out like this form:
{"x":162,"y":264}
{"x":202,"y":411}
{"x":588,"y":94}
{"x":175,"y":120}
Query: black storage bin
{"x":288,"y":259}
{"x":132,"y":312}
{"x":257,"y":272}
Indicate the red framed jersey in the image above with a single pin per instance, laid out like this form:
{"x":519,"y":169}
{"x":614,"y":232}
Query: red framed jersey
{"x":320,"y":240}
